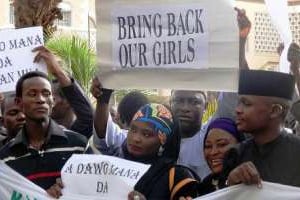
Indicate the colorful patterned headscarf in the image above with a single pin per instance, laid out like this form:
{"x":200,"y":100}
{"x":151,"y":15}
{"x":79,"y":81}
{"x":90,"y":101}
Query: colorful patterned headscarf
{"x":159,"y":117}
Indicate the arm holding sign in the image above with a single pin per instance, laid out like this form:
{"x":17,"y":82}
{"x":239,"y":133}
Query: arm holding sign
{"x":102,"y":108}
{"x":107,"y":136}
{"x":67,"y":89}
{"x":55,"y":190}
{"x":244,"y":29}
{"x":245,"y":173}
{"x":228,"y":100}
{"x":52,"y":65}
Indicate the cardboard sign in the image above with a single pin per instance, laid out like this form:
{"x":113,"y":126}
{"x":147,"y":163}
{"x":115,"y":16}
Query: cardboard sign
{"x":16,"y":56}
{"x":167,"y":44}
{"x":104,"y":177}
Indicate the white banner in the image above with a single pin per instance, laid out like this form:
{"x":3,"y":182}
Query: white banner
{"x":16,"y":56}
{"x":13,"y":186}
{"x":167,"y":44}
{"x":100,"y":177}
{"x":269,"y":191}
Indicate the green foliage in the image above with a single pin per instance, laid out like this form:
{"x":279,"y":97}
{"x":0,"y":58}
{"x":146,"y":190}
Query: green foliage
{"x":77,"y":57}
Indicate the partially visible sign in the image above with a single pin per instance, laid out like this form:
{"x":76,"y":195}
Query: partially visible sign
{"x":13,"y":186}
{"x":104,"y":177}
{"x":16,"y":56}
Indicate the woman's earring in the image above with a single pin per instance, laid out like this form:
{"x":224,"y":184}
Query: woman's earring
{"x":160,"y":151}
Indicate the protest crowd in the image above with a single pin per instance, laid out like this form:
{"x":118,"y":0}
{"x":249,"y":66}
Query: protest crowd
{"x":251,"y":137}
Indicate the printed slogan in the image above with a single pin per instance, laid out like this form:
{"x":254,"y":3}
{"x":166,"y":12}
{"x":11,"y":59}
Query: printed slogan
{"x":103,"y":176}
{"x":156,"y":37}
{"x":174,"y":44}
{"x":16,"y":57}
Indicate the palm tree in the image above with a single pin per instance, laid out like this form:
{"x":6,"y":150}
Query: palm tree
{"x":43,"y":13}
{"x":77,"y":57}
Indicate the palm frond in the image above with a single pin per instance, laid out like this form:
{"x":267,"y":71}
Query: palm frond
{"x":77,"y":57}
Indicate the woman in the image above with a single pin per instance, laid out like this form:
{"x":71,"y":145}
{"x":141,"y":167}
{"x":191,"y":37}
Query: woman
{"x":154,"y":138}
{"x":222,"y":134}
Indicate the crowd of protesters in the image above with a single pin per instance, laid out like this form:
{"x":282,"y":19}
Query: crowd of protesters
{"x":250,"y":138}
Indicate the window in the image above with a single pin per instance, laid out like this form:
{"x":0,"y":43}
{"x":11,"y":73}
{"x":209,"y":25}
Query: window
{"x":266,"y":36}
{"x":66,"y":14}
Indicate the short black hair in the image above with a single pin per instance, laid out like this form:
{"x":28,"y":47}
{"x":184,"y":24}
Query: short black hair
{"x":130,"y":104}
{"x":19,"y":86}
{"x":6,"y":98}
{"x":195,"y":91}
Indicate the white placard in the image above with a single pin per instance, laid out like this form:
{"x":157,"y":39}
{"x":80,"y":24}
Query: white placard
{"x":16,"y":56}
{"x":190,"y":44}
{"x":101,"y":177}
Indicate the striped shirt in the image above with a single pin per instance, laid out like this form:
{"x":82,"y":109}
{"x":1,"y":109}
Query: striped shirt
{"x":43,"y":166}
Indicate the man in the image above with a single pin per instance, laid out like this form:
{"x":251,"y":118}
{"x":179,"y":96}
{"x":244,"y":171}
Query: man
{"x":270,"y":155}
{"x":189,"y":107}
{"x":13,"y":118}
{"x":42,"y":147}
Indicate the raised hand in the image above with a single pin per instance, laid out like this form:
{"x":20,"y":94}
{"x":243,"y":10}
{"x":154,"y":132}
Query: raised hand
{"x":243,"y":22}
{"x":52,"y":65}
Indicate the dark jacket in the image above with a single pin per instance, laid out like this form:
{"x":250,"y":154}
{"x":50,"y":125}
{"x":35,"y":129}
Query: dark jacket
{"x":275,"y":161}
{"x":81,"y":107}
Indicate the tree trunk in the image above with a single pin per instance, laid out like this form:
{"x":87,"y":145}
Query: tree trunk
{"x":37,"y":13}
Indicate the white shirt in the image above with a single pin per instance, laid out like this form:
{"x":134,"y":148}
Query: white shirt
{"x":191,"y":153}
{"x":114,"y":136}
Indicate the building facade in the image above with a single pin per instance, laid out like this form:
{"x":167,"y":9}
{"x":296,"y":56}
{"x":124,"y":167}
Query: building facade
{"x":263,"y":40}
{"x":78,"y":17}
